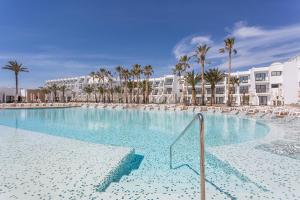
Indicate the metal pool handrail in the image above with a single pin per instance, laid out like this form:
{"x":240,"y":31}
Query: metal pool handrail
{"x":200,"y":117}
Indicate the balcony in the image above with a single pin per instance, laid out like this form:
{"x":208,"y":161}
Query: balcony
{"x":262,"y":90}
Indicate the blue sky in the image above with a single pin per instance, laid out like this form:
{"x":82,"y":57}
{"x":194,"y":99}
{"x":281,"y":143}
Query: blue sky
{"x":64,"y":38}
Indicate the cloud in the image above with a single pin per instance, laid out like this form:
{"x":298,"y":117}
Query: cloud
{"x":256,"y":45}
{"x":188,"y":44}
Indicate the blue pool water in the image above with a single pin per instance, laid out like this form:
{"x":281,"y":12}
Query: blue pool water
{"x":149,"y":132}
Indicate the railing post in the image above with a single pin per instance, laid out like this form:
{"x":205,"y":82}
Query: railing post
{"x":202,"y":160}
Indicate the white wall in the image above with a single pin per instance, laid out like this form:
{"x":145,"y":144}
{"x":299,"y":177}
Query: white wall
{"x":291,"y":75}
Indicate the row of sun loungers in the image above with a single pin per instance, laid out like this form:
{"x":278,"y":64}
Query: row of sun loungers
{"x":245,"y":111}
{"x":265,"y":112}
{"x":37,"y":105}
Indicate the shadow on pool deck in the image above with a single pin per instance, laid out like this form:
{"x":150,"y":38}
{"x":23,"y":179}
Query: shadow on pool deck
{"x":132,"y":164}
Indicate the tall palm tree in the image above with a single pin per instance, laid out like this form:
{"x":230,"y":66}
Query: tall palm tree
{"x":88,"y":90}
{"x":137,"y":71}
{"x":213,"y":76}
{"x":117,"y":89}
{"x":184,"y":62}
{"x":94,"y":75}
{"x":63,"y":89}
{"x":148,"y":71}
{"x":130,"y":86}
{"x":201,"y":56}
{"x":126,"y":75}
{"x":16,"y":68}
{"x":100,"y":90}
{"x":192,"y":79}
{"x":54,"y":88}
{"x":234,"y":81}
{"x":178,"y":70}
{"x":229,"y":47}
{"x":119,"y":70}
{"x":109,"y":77}
{"x":101,"y":75}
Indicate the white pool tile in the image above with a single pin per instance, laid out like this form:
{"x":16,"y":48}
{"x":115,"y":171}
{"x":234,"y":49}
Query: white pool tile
{"x":41,"y":166}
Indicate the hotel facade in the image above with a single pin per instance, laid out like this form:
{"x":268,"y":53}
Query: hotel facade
{"x":276,"y":84}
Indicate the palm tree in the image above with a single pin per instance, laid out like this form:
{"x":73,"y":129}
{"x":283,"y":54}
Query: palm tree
{"x":101,"y":75}
{"x":16,"y":68}
{"x":130,"y":86}
{"x":148,"y":71}
{"x":54,"y":88}
{"x":178,"y":70}
{"x":229,"y":47}
{"x":184,"y":63}
{"x":94,"y":75}
{"x":192,"y":79}
{"x":63,"y":89}
{"x":45,"y":90}
{"x":117,"y":89}
{"x":126,"y":75}
{"x":100,"y":90}
{"x":234,"y":81}
{"x":213,"y":76}
{"x":137,"y":71}
{"x":201,"y":56}
{"x":110,"y":82}
{"x":88,"y":90}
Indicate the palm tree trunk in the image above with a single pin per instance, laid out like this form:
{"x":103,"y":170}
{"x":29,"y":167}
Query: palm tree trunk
{"x":193,"y":95}
{"x":17,"y":87}
{"x":228,"y":84}
{"x":203,"y":89}
{"x":212,"y":101}
{"x":55,"y":96}
{"x":147,"y":91}
{"x":126,"y":92}
{"x":138,"y":90}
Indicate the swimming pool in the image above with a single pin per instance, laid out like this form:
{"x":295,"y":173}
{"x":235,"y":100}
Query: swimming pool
{"x":150,"y":133}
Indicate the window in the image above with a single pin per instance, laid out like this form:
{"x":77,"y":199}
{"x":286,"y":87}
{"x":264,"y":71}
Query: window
{"x":169,"y":90}
{"x":220,"y":90}
{"x":276,"y":73}
{"x":263,"y":100}
{"x":244,"y":79}
{"x":261,"y":88}
{"x":220,"y":100}
{"x":169,"y":82}
{"x":275,"y":86}
{"x":244,"y":89}
{"x":208,"y":91}
{"x":260,"y":76}
{"x":232,"y":90}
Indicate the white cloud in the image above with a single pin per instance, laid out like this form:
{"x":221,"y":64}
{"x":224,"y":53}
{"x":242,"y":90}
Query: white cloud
{"x":201,"y":40}
{"x":187,"y":45}
{"x":256,"y":45}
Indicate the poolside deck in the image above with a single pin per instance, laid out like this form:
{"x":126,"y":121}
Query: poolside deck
{"x":41,"y":166}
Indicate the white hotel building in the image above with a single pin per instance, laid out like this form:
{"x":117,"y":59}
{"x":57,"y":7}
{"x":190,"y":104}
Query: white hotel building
{"x":277,"y":84}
